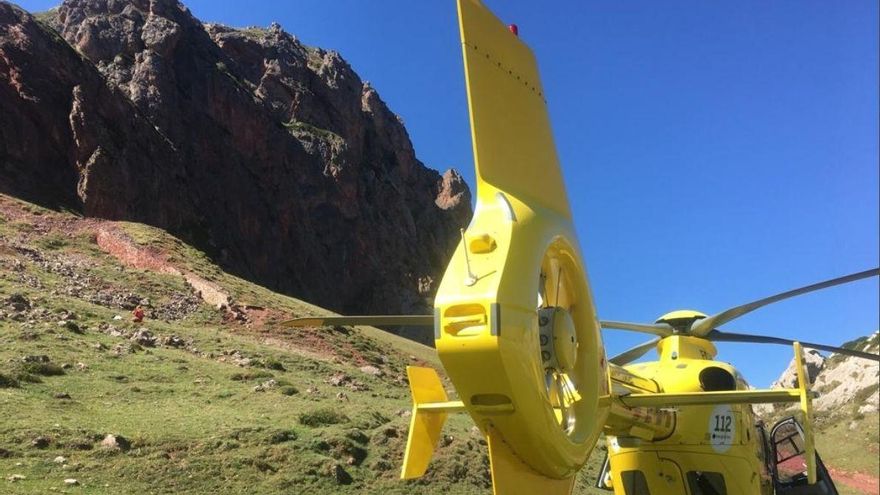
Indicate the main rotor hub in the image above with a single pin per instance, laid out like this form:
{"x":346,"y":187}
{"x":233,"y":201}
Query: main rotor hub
{"x":558,"y":339}
{"x":681,"y":320}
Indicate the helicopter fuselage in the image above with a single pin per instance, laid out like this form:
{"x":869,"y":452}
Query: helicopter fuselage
{"x":687,"y":449}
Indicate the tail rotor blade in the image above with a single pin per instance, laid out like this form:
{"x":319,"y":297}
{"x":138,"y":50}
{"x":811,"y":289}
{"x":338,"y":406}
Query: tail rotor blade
{"x":717,"y":336}
{"x":702,"y":327}
{"x":378,"y":320}
{"x":634,"y":353}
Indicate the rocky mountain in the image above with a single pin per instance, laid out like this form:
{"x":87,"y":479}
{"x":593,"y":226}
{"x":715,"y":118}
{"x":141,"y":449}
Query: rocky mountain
{"x":271,"y":156}
{"x":845,"y":384}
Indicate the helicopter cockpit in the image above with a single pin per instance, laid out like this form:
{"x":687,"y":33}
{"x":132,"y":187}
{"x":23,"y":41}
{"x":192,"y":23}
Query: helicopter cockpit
{"x":789,"y":466}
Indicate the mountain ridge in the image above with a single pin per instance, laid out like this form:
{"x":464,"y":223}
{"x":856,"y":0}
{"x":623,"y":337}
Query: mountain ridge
{"x":273,"y":157}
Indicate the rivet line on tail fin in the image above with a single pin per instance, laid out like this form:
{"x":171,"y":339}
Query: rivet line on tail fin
{"x":510,"y":72}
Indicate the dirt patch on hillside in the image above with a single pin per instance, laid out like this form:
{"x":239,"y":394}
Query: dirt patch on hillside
{"x":121,"y":247}
{"x":255,"y":319}
{"x":111,"y":238}
{"x":865,"y":483}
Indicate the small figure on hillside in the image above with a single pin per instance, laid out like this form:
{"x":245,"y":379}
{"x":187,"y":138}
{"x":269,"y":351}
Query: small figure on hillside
{"x":138,"y":314}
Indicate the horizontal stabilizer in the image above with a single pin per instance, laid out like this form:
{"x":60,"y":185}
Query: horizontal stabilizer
{"x":373,"y":320}
{"x":430,"y":408}
{"x":711,"y":398}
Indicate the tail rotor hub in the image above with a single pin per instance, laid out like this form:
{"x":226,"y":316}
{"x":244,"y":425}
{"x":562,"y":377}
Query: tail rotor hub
{"x":558,"y":339}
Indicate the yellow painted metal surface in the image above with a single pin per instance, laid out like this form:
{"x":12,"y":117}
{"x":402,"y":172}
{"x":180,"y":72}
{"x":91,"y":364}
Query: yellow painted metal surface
{"x":517,"y":332}
{"x":511,"y":476}
{"x":681,"y":314}
{"x":678,"y":347}
{"x":806,"y":402}
{"x":711,"y":398}
{"x":714,"y":431}
{"x":625,"y":381}
{"x":487,"y":302}
{"x":512,"y":137}
{"x":425,"y":424}
{"x":451,"y":406}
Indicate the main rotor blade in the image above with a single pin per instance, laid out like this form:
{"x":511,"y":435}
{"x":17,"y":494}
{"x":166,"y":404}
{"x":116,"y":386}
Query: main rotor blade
{"x":702,"y":327}
{"x":636,"y":352}
{"x":379,"y":320}
{"x":718,"y":336}
{"x":659,"y":329}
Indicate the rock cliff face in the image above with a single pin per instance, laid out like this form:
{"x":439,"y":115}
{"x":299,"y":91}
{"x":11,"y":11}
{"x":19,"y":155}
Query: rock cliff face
{"x":273,"y":157}
{"x":844,"y":383}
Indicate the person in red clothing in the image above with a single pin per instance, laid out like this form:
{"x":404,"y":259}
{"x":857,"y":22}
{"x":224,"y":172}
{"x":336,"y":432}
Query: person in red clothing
{"x":138,"y":314}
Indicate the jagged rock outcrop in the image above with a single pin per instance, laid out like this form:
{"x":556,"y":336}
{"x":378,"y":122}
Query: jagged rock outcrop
{"x":840,"y":380}
{"x":273,"y":157}
{"x":814,"y":362}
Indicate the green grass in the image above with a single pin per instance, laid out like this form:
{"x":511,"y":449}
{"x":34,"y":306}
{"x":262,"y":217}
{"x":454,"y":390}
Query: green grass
{"x":194,"y":421}
{"x":322,"y":417}
{"x":842,"y":443}
{"x":298,"y":127}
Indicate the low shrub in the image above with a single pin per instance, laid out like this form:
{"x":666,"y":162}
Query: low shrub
{"x":7,"y":381}
{"x":273,"y":364}
{"x":253,"y":375}
{"x":288,"y":390}
{"x":43,"y":369}
{"x":281,"y":436}
{"x":322,"y":417}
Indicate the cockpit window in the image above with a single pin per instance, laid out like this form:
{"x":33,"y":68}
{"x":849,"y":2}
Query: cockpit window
{"x":706,"y":483}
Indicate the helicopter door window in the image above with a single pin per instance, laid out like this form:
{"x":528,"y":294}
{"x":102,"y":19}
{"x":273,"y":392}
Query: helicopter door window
{"x":706,"y":483}
{"x":790,"y":460}
{"x":791,"y":463}
{"x":634,"y":483}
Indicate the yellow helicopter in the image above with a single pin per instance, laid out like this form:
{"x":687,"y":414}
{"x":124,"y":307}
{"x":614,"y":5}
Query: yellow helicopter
{"x":517,"y":332}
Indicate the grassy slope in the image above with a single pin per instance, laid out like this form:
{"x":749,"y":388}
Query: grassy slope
{"x":193,"y":428}
{"x":195,"y":425}
{"x":850,"y":443}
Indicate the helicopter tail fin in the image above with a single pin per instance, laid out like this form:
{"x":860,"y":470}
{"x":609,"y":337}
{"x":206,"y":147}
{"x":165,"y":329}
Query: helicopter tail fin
{"x":513,"y":142}
{"x":512,"y":475}
{"x":430,"y":409}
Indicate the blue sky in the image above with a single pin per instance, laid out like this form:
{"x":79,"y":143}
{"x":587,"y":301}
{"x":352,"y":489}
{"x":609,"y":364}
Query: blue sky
{"x":715,"y":152}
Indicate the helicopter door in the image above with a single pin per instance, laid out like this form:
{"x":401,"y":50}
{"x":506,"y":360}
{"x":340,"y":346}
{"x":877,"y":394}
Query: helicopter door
{"x":790,"y":468}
